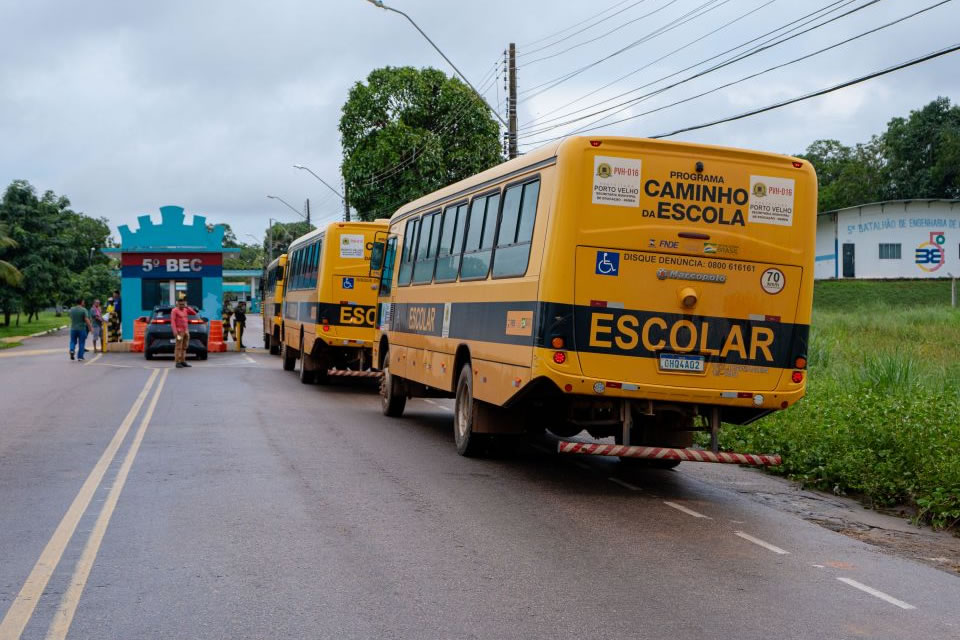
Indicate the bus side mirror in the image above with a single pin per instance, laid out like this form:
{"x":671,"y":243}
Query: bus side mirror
{"x":376,"y":256}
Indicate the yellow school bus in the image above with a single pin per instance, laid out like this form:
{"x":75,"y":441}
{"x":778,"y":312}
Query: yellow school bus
{"x":329,"y":301}
{"x":633,"y":288}
{"x":273,"y":303}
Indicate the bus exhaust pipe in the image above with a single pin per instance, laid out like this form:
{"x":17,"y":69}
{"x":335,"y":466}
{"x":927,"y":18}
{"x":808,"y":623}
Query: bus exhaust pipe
{"x":662,"y":453}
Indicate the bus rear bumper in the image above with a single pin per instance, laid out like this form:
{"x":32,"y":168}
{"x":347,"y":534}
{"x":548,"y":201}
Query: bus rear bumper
{"x":779,"y":398}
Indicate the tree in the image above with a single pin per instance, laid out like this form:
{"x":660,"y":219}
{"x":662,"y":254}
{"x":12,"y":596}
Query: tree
{"x":282,"y":234}
{"x":53,"y":244}
{"x":96,"y":281}
{"x":846,"y":176}
{"x":923,"y":153}
{"x":407,"y":132}
{"x":9,"y":274}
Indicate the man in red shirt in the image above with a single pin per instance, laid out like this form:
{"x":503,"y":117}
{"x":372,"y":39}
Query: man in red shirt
{"x":178,"y":319}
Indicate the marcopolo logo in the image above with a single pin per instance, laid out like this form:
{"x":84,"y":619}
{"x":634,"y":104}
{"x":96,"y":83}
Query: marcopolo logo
{"x":931,"y":255}
{"x":673,"y":274}
{"x":604,"y":170}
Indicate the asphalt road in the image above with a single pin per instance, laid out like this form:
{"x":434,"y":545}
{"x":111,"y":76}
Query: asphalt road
{"x":238,"y":503}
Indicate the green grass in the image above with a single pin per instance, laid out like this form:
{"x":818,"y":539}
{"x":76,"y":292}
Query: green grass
{"x":851,"y":295}
{"x":9,"y":345}
{"x":882,"y":414}
{"x":47,"y":320}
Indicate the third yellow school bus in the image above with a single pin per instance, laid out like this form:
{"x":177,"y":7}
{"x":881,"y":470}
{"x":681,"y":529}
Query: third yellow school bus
{"x":636,"y":288}
{"x":273,"y":279}
{"x":329,"y":300}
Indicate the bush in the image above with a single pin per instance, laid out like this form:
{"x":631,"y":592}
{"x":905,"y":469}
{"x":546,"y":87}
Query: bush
{"x":882,"y":412}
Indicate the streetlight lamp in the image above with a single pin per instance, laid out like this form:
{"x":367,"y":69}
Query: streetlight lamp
{"x":290,"y":206}
{"x":346,"y":205}
{"x":379,"y":3}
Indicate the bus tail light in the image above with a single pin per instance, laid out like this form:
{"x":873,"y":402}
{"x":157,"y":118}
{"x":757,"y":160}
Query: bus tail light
{"x":557,"y":342}
{"x":800,"y":362}
{"x":559,"y":357}
{"x":326,"y":328}
{"x":797,"y":377}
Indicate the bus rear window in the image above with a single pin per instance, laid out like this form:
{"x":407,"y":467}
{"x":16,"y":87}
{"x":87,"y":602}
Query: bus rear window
{"x":516,"y":230}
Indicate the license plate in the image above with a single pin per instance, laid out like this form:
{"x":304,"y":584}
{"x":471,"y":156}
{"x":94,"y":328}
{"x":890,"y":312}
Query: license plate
{"x":173,"y":341}
{"x":681,"y":363}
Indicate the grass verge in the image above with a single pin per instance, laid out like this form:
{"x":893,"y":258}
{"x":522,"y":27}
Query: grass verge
{"x":9,"y":345}
{"x":46,"y":320}
{"x":882,"y":414}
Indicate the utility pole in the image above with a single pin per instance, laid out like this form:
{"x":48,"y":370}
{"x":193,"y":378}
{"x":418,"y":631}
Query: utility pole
{"x":512,"y":102}
{"x":346,"y":203}
{"x":308,"y":212}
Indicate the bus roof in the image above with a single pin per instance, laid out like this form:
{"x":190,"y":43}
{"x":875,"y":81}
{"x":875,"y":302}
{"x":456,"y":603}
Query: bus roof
{"x":330,"y":228}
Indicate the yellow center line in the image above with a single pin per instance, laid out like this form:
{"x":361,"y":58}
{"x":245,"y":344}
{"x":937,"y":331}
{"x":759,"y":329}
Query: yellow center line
{"x":20,"y":611}
{"x":71,"y":598}
{"x":30,"y":352}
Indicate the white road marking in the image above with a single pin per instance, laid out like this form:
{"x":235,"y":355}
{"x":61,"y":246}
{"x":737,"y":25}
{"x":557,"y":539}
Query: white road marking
{"x":759,"y":542}
{"x":95,"y":358}
{"x":437,"y":404}
{"x":71,"y":597}
{"x":818,"y":566}
{"x":624,"y":484}
{"x":874,"y":592}
{"x":250,"y":360}
{"x":689,"y":512}
{"x":21,"y":610}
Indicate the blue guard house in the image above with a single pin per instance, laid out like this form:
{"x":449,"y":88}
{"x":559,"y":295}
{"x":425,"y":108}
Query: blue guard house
{"x":161,"y":261}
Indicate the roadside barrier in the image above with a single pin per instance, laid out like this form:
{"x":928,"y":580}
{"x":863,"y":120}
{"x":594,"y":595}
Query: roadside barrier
{"x":215,"y":343}
{"x":139,"y":330}
{"x":661,"y":453}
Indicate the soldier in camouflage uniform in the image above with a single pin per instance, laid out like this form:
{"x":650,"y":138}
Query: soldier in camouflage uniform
{"x":225,"y":318}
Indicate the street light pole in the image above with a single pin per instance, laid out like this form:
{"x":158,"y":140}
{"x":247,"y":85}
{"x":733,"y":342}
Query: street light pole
{"x":379,"y":3}
{"x":289,"y":206}
{"x":346,"y":207}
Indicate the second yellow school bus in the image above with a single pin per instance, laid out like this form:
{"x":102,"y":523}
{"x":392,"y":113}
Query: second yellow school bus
{"x":273,"y":279}
{"x":329,"y":300}
{"x":636,"y":288}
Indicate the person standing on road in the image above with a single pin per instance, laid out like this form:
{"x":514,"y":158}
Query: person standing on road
{"x":116,"y":305}
{"x":239,"y":324}
{"x":179,"y":319}
{"x":79,"y":323}
{"x":96,"y":317}
{"x":225,"y":320}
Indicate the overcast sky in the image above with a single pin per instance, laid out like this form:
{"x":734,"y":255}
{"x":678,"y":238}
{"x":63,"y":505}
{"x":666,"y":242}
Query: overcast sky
{"x":127,"y":106}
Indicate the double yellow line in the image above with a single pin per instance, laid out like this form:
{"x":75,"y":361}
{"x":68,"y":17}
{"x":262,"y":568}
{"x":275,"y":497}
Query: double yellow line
{"x":22,"y":608}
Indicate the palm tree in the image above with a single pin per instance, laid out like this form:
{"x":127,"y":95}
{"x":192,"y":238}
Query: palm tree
{"x":9,"y":274}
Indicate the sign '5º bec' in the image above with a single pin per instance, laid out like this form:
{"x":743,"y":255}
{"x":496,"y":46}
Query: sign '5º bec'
{"x":329,"y":300}
{"x":631,"y":288}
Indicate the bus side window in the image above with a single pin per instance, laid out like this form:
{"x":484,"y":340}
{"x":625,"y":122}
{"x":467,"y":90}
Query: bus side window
{"x":427,"y":248}
{"x":406,"y":258}
{"x":483,"y":222}
{"x":516,"y":230}
{"x":294,"y":263}
{"x":386,"y":275}
{"x":451,"y":243}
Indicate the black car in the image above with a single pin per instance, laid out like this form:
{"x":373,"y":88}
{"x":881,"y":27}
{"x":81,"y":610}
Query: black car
{"x":159,"y":338}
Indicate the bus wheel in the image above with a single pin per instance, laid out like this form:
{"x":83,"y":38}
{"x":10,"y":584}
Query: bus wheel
{"x":306,"y":375}
{"x":288,"y":357}
{"x":273,"y":342}
{"x":469,"y":444}
{"x":393,"y":397}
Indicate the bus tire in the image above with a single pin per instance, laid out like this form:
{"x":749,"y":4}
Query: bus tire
{"x":273,"y":343}
{"x":306,"y":375}
{"x":393,"y":397}
{"x":288,"y":357}
{"x":469,"y":444}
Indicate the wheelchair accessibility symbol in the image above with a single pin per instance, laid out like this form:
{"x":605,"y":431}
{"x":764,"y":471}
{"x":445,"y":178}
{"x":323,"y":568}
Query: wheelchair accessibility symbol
{"x":608,"y":263}
{"x":347,"y":283}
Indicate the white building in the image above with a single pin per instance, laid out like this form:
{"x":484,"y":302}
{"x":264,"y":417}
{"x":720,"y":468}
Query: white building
{"x":892,"y":239}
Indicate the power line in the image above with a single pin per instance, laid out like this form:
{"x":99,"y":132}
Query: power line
{"x":773,"y":42}
{"x":649,"y":64}
{"x":574,"y":26}
{"x":814,"y":94}
{"x":685,"y":18}
{"x":603,"y":35}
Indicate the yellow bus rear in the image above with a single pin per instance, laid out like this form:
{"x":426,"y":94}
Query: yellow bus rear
{"x":273,"y":303}
{"x":668,"y":289}
{"x":329,"y":303}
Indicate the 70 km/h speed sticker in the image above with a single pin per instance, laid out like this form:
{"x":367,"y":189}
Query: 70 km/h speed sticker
{"x":773,"y":281}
